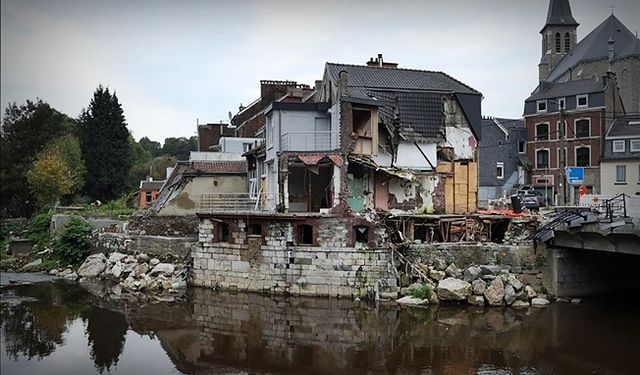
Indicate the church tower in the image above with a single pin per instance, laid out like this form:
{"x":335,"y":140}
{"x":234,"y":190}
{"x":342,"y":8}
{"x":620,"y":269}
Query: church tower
{"x":558,"y":36}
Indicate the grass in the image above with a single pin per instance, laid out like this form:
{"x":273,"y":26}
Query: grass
{"x":423,"y":291}
{"x":115,"y":208}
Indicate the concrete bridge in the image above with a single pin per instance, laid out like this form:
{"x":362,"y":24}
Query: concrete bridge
{"x":593,"y":250}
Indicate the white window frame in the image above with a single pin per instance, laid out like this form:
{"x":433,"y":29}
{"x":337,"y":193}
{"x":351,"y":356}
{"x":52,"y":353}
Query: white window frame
{"x":538,"y":106}
{"x":578,"y":97}
{"x":500,"y":166}
{"x":269,"y":131}
{"x":618,"y":143}
{"x":562,"y":103}
{"x":524,"y":147}
{"x":575,"y":155}
{"x":635,"y":148}
{"x":535,"y":155}
{"x":548,"y":132}
{"x":575,"y":126}
{"x":624,"y":175}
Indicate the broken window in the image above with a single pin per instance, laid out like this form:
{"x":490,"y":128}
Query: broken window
{"x":254,"y":229}
{"x":361,"y":233}
{"x":362,"y":128}
{"x":223,"y":232}
{"x":583,"y":156}
{"x":542,"y":132}
{"x":305,"y":234}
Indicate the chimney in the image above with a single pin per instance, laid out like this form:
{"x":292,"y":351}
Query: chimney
{"x":149,"y":179}
{"x":343,"y":79}
{"x":318,"y":85}
{"x":379,"y":60}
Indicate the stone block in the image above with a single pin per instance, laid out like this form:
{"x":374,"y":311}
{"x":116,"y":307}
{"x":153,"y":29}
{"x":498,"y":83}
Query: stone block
{"x":240,"y":266}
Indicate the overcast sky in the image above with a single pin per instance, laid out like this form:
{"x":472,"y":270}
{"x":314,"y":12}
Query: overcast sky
{"x":172,"y":62}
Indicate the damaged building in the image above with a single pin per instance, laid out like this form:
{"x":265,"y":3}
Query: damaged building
{"x":366,"y":142}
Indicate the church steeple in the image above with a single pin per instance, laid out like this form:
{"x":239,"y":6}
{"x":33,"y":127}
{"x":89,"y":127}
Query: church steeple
{"x":559,"y":36}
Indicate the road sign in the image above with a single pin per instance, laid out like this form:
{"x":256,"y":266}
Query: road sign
{"x":575,"y":175}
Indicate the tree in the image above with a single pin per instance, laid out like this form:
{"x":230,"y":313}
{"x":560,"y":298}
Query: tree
{"x":26,"y":129}
{"x":68,"y":147}
{"x":180,"y":147}
{"x":153,"y":147}
{"x":105,"y":145}
{"x":50,"y":178}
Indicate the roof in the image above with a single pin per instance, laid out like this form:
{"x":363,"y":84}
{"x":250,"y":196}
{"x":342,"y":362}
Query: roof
{"x":559,"y":14}
{"x":216,"y":167}
{"x":421,"y":114}
{"x":625,"y":127}
{"x":562,"y":89}
{"x":151,"y":185}
{"x":595,"y":46}
{"x":398,"y":79}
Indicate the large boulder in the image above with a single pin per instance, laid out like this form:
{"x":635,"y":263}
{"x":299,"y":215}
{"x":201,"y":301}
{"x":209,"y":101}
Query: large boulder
{"x":408,"y":300}
{"x":116,"y":257}
{"x":519,"y":304}
{"x":452,"y":289}
{"x":509,"y":295}
{"x":453,"y":271}
{"x":33,"y":264}
{"x":117,"y":269}
{"x":495,"y":292}
{"x":539,"y":302}
{"x":439,"y":264}
{"x":472,"y":273}
{"x":514,"y":282}
{"x":437,"y":275}
{"x":93,"y":265}
{"x":476,"y":300}
{"x":479,"y":287}
{"x":531,"y":293}
{"x":490,"y":269}
{"x":140,"y":269}
{"x":164,"y":268}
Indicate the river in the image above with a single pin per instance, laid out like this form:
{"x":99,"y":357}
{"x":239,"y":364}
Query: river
{"x":54,"y":327}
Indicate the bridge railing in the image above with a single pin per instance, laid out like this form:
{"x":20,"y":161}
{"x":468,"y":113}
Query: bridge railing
{"x":233,"y":202}
{"x":615,"y":207}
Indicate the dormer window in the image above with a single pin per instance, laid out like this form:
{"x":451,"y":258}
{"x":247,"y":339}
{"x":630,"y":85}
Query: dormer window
{"x":541,"y":105}
{"x":583,"y":101}
{"x":562,"y":103}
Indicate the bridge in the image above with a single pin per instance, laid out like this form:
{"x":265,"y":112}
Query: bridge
{"x":593,"y":250}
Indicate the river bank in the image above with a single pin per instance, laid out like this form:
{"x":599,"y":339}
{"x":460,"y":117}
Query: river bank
{"x":73,"y":330}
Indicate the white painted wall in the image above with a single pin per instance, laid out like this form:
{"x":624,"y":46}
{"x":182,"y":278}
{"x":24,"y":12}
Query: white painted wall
{"x":462,"y":140}
{"x":410,"y":157}
{"x":236,"y":145}
{"x":286,"y":121}
{"x":205,"y":155}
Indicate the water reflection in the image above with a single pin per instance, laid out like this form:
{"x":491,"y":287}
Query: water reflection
{"x":230,"y":333}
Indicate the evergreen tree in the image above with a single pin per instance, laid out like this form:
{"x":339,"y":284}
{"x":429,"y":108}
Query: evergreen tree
{"x":105,"y":145}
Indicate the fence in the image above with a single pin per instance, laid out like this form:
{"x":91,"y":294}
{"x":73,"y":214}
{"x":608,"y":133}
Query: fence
{"x":233,"y":202}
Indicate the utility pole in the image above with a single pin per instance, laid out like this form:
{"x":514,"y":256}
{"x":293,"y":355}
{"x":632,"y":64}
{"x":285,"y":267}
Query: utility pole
{"x":563,"y":158}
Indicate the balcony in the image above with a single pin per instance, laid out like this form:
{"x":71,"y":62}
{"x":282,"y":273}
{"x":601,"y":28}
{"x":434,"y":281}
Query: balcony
{"x":309,"y":141}
{"x":233,"y":202}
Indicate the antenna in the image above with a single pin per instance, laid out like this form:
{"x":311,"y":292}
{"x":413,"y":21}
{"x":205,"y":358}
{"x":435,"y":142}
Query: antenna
{"x":612,"y":7}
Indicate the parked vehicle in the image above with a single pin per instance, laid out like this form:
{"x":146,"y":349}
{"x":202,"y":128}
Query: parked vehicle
{"x":530,"y":201}
{"x":542,"y":202}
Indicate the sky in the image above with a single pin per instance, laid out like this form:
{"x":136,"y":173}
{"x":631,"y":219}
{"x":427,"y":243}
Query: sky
{"x":176,"y":63}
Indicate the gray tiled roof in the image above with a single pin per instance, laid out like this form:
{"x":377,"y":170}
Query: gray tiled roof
{"x":398,"y":79}
{"x":562,"y":89}
{"x":595,"y":46}
{"x":559,"y":14}
{"x":621,"y":127}
{"x":421,"y":114}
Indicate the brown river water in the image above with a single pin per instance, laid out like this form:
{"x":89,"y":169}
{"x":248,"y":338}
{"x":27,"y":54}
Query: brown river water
{"x":53,"y":327}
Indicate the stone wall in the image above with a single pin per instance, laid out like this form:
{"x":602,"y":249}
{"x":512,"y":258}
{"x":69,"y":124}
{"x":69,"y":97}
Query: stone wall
{"x":277,"y":261}
{"x":153,"y":225}
{"x":156,"y":246}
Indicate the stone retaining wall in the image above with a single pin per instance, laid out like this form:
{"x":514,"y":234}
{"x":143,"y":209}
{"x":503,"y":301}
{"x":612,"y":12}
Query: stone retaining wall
{"x":275,"y":262}
{"x":153,"y":245}
{"x":153,"y":225}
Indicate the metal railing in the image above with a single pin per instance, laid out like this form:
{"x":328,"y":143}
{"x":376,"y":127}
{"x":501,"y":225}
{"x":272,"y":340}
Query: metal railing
{"x":615,"y":207}
{"x":233,"y":202}
{"x":307,"y":141}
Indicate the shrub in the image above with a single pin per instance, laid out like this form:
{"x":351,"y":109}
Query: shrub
{"x":423,"y":291}
{"x":74,"y":244}
{"x":114,"y":208}
{"x":39,"y":230}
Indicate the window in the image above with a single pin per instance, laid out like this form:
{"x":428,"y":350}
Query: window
{"x":618,"y":146}
{"x":246,"y":147}
{"x":542,"y":132}
{"x":635,"y":145}
{"x":148,"y":196}
{"x":361,"y":233}
{"x":254,"y":229}
{"x":522,"y":147}
{"x":269,"y":131}
{"x":562,"y":103}
{"x":542,"y":105}
{"x":567,"y":42}
{"x":583,"y":129}
{"x":558,"y":41}
{"x":500,"y":170}
{"x":621,"y":174}
{"x":583,"y":100}
{"x":583,"y":156}
{"x":542,"y":159}
{"x":223,"y":232}
{"x":305,"y":234}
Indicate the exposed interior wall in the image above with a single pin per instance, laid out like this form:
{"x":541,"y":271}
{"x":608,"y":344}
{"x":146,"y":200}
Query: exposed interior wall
{"x":185,"y":201}
{"x":461,"y":186}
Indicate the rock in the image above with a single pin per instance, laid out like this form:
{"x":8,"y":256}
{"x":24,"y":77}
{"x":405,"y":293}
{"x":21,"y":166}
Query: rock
{"x":452,"y":289}
{"x":179,"y":284}
{"x":522,"y":296}
{"x":453,"y":271}
{"x":433,"y":299}
{"x":116,"y":289}
{"x":142,"y":258}
{"x":53,"y":272}
{"x":129,"y":259}
{"x":65,"y":272}
{"x":489,"y":269}
{"x":166,"y":268}
{"x":476,"y":300}
{"x":531,"y":293}
{"x":116,"y":257}
{"x":71,"y":276}
{"x":576,"y":301}
{"x":30,"y":265}
{"x":509,"y":295}
{"x":539,"y":302}
{"x":478,"y":287}
{"x":519,"y":304}
{"x":495,"y":292}
{"x":514,"y":282}
{"x":408,"y":300}
{"x":437,"y":275}
{"x":439,"y":264}
{"x":472,"y":273}
{"x":140,"y":269}
{"x":117,"y":269}
{"x":154,"y":262}
{"x":93,"y":265}
{"x":488,"y":277}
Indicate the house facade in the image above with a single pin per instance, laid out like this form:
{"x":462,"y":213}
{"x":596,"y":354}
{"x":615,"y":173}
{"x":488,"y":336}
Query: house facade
{"x":620,"y":166}
{"x":503,"y":157}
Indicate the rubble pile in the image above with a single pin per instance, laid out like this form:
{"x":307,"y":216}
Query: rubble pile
{"x":130,"y":274}
{"x":482,"y":285}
